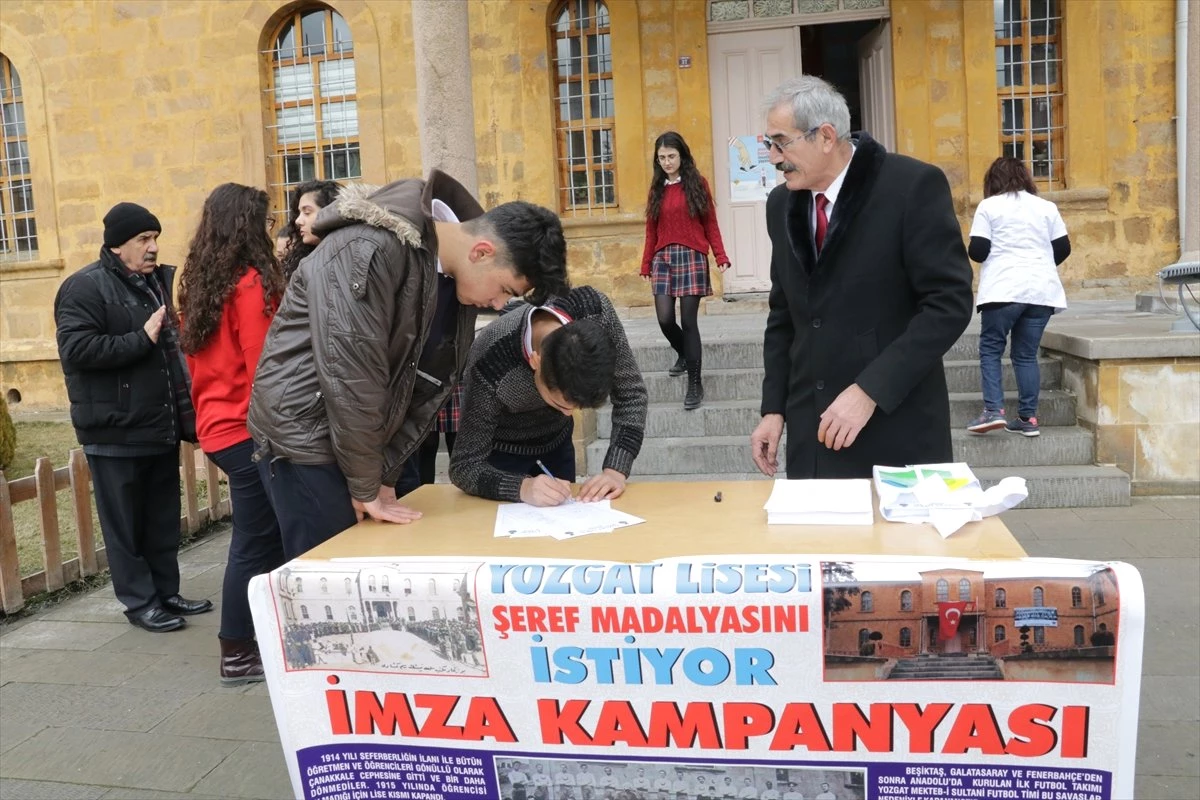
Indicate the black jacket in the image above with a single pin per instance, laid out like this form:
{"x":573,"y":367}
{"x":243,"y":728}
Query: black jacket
{"x":888,"y":296}
{"x":120,"y":384}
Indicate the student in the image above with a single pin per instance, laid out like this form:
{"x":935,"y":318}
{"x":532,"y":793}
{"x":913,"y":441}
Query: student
{"x":283,"y":241}
{"x":229,"y":291}
{"x":1020,"y":240}
{"x":527,"y":372}
{"x":681,"y":227}
{"x":307,"y":200}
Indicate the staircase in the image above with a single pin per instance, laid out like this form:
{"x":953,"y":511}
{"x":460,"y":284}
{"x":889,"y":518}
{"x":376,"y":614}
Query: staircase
{"x":966,"y":667}
{"x":712,"y":442}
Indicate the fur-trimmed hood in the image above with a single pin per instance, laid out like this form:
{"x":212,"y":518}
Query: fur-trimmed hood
{"x":403,"y":207}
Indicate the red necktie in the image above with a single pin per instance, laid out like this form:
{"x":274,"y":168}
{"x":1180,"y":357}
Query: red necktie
{"x":822,"y":220}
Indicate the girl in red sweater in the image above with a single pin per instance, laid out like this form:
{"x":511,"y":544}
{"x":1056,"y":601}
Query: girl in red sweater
{"x":681,"y":227}
{"x":230,"y":288}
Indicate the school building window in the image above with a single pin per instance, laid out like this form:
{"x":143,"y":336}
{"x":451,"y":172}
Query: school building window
{"x":328,"y":612}
{"x":943,"y":590}
{"x":584,"y":111}
{"x":312,"y":93}
{"x":867,"y":601}
{"x":906,"y":600}
{"x":1001,"y":599}
{"x":1039,"y":596}
{"x":1076,"y":597}
{"x":304,"y":612}
{"x":964,"y":589}
{"x":18,"y":227}
{"x":906,"y":637}
{"x":1079,"y":636}
{"x":1029,"y":85}
{"x":999,"y":633}
{"x":348,"y":586}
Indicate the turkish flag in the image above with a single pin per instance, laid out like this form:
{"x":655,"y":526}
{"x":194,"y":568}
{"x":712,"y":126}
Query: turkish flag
{"x":949,"y":615}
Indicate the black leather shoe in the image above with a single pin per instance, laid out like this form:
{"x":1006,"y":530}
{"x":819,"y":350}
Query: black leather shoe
{"x":157,"y":620}
{"x":177,"y":604}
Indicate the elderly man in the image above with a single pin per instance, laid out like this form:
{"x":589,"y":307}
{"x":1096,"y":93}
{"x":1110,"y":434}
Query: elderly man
{"x":870,"y":286}
{"x":130,"y":405}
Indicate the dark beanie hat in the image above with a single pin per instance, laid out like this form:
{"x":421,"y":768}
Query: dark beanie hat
{"x":125,"y":221}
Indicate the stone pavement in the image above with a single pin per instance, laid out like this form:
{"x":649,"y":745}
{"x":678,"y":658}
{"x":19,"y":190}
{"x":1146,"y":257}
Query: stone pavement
{"x":91,"y":707}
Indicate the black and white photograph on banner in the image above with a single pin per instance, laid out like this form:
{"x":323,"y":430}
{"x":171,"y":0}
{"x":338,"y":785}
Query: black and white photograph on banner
{"x":580,"y":779}
{"x":416,"y":618}
{"x":933,"y":622}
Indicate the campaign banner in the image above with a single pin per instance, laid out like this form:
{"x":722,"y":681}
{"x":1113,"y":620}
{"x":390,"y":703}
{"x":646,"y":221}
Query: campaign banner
{"x":755,"y":677}
{"x":1038,"y":616}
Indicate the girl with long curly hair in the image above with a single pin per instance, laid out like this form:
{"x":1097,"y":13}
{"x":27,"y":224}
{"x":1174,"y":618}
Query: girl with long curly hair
{"x":229,"y":291}
{"x":307,"y":199}
{"x":681,"y":227}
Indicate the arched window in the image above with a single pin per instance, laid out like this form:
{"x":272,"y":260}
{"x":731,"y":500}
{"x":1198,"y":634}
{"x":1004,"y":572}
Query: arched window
{"x":1039,"y":635}
{"x":584,"y":115}
{"x":432,"y":586}
{"x":18,"y":227}
{"x":1076,"y":597}
{"x":864,"y":636}
{"x":867,"y":602}
{"x":1098,"y":594}
{"x":312,"y":90}
{"x":412,"y":614}
{"x":299,"y":585}
{"x":328,"y":612}
{"x":999,"y":634}
{"x":943,"y":590}
{"x":407,"y":586}
{"x":370,"y":583}
{"x":906,"y":600}
{"x":437,"y":614}
{"x":906,"y":637}
{"x":1103,"y":627}
{"x":325,"y":585}
{"x":964,"y":589}
{"x":349,"y":586}
{"x":383,"y":583}
{"x":1039,"y":597}
{"x":1079,"y":636}
{"x":304,"y":612}
{"x":1001,"y":598}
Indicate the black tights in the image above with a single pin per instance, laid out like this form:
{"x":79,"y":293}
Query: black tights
{"x":686,"y":341}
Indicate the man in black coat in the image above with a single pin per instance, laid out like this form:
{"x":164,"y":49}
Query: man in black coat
{"x":129,"y":391}
{"x":870,"y":286}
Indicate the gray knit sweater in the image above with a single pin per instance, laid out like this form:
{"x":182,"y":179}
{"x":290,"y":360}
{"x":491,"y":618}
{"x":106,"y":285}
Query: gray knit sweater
{"x":502,"y":410}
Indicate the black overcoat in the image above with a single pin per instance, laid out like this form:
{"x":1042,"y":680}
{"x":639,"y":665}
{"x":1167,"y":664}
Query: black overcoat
{"x":889,"y":294}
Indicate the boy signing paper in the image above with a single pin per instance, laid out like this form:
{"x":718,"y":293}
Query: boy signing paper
{"x":527,"y":372}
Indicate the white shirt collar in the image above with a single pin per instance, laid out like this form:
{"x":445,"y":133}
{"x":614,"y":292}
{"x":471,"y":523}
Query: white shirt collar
{"x":527,"y":340}
{"x":831,"y":193}
{"x":442,"y":213}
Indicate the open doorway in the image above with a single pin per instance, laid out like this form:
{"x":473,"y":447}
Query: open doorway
{"x":856,"y":58}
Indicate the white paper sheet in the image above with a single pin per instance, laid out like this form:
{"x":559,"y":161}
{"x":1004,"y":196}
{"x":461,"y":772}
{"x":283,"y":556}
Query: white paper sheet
{"x":568,"y":521}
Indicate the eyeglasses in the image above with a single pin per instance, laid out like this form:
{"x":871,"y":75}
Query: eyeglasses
{"x":778,"y":146}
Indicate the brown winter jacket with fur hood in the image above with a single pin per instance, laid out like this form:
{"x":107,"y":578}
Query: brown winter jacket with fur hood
{"x":343,"y":377}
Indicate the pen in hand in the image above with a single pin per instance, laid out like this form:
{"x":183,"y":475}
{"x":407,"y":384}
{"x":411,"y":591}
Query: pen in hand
{"x":542,"y":467}
{"x":550,"y":475}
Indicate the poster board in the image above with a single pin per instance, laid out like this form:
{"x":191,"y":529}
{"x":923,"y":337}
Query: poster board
{"x":755,"y":676}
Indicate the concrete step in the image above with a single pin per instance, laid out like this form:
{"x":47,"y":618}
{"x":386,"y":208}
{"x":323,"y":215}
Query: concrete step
{"x":745,"y":383}
{"x":733,"y":417}
{"x":1055,"y":447}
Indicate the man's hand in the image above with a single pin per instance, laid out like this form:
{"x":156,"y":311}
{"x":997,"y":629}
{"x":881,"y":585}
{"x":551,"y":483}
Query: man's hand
{"x":845,"y":417}
{"x":386,"y":508}
{"x":764,"y":444}
{"x":608,"y":485}
{"x":154,"y":325}
{"x":542,"y":490}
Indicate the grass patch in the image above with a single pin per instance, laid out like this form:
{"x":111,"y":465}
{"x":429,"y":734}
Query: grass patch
{"x":55,"y":440}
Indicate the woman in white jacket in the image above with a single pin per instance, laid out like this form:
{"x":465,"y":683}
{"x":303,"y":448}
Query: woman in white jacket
{"x":1020,"y":240}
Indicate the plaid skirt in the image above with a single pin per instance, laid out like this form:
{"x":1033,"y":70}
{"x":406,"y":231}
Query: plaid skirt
{"x":678,"y":271}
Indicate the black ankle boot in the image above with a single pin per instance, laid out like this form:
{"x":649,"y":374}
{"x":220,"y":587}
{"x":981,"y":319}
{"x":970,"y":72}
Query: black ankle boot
{"x":678,"y":369}
{"x":695,"y":387}
{"x":240,"y":662}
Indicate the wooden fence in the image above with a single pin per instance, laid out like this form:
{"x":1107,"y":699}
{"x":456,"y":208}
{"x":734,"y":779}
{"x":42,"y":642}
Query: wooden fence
{"x":42,"y":487}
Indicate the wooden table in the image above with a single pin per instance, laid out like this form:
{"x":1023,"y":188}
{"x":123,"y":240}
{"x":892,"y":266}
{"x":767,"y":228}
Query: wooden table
{"x":682,"y":519}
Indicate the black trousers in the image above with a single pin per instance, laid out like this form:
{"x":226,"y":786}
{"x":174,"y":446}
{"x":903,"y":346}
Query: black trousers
{"x":137,"y":500}
{"x":421,"y":467}
{"x":256,"y":546}
{"x":560,"y":461}
{"x":312,"y":502}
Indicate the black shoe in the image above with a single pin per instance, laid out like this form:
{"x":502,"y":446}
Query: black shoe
{"x":695,"y":387}
{"x":157,"y":620}
{"x":679,"y":368}
{"x":178,"y":604}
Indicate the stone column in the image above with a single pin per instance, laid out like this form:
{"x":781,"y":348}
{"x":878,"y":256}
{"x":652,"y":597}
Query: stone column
{"x":446,"y":114}
{"x":1191,"y":176}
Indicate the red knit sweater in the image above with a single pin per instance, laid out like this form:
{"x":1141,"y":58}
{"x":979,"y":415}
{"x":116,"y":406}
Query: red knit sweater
{"x":675,"y":226}
{"x":222,"y":372}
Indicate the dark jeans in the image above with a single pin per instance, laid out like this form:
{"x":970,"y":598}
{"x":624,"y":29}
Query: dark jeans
{"x":312,"y":502}
{"x":255,"y":547}
{"x":137,"y":500}
{"x":1026,"y":323}
{"x":421,"y":467}
{"x":560,"y":461}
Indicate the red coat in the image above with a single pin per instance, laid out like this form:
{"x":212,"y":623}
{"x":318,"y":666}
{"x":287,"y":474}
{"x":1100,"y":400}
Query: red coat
{"x":223,"y":372}
{"x":675,"y":226}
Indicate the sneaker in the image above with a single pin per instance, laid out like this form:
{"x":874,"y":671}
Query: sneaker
{"x":987,"y":421}
{"x":1025,"y":427}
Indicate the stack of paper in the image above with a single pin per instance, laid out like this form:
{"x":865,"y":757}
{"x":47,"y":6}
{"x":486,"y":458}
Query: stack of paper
{"x":946,"y":495}
{"x":568,"y":521}
{"x":820,"y":502}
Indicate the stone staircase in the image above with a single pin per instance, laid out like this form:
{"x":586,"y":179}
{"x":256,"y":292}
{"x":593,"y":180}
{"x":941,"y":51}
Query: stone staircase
{"x":712,"y":442}
{"x":965,"y":667}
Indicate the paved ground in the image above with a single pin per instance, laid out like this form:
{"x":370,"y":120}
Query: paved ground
{"x":93,"y":708}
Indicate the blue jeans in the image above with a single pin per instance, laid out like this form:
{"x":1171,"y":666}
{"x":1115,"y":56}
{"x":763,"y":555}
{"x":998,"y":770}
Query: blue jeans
{"x":1026,"y":323}
{"x":256,"y":546}
{"x":312,"y":502}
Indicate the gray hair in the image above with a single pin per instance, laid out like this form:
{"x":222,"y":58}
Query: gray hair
{"x":813,"y":102}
